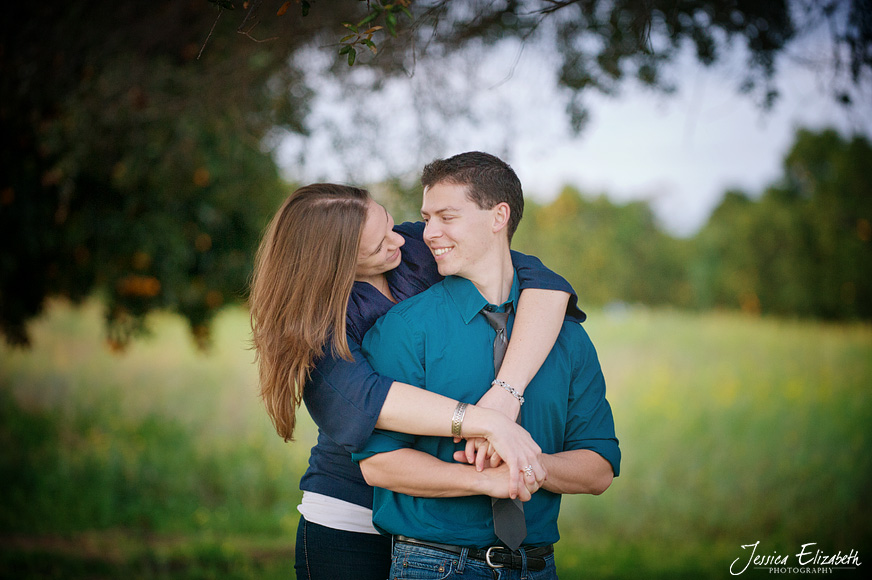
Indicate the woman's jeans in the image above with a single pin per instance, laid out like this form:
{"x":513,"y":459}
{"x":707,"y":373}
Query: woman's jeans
{"x":328,"y":554}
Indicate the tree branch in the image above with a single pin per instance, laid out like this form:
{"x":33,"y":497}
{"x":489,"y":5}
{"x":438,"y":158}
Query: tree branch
{"x":205,"y":42}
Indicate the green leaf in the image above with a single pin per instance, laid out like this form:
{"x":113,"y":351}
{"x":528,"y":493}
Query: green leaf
{"x":305,"y":7}
{"x":372,"y":16}
{"x":345,"y":49}
{"x":350,"y":27}
{"x":352,"y":55}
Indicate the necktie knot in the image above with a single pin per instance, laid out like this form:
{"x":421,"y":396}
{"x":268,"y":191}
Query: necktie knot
{"x":499,"y":322}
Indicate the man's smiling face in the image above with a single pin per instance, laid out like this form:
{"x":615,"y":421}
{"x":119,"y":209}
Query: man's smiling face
{"x":458,"y":232}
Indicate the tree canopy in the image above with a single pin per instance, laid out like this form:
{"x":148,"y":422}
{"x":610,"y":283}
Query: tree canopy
{"x":599,"y":44}
{"x":132,"y":156}
{"x":128,"y":167}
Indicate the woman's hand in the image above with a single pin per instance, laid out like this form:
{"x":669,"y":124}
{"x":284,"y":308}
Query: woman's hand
{"x":478,"y":450}
{"x":508,"y":443}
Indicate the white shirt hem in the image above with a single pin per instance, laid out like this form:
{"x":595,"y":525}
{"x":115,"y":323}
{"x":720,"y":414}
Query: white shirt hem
{"x":335,"y":513}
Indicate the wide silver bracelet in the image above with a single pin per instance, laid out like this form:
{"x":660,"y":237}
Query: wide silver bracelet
{"x":511,"y":390}
{"x":457,"y":420}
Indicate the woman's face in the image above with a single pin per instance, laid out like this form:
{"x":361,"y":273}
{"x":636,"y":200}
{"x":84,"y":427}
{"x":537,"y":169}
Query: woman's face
{"x":379,"y":244}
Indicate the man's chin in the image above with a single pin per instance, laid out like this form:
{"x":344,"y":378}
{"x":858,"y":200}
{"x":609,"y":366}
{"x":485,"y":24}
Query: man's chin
{"x":445,"y":269}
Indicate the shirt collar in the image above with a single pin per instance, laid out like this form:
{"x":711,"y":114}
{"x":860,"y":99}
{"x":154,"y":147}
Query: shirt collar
{"x":469,"y":300}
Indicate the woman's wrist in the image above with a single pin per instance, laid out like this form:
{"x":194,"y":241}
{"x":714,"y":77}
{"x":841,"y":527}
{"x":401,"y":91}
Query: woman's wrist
{"x":457,"y":419}
{"x":517,"y":381}
{"x":509,"y":389}
{"x":479,"y":421}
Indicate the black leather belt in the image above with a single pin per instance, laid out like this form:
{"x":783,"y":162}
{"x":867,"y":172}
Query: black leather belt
{"x":495,"y":556}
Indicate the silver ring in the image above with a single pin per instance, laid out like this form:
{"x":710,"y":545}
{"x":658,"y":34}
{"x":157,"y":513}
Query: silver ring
{"x":528,"y":470}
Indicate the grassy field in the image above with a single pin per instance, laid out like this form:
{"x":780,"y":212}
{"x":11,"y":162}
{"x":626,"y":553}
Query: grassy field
{"x":160,"y":462}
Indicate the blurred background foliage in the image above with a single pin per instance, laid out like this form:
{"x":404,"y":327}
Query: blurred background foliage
{"x":129,"y":167}
{"x":160,"y":462}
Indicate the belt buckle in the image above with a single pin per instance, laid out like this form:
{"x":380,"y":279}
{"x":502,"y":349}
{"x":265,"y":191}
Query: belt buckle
{"x":487,"y":556}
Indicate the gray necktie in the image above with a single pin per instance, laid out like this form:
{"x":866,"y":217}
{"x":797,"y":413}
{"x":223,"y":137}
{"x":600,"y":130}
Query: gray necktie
{"x":509,"y":524}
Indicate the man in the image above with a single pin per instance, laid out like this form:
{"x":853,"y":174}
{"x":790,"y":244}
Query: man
{"x":438,"y":510}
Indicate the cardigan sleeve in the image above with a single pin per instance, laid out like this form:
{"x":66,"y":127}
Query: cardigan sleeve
{"x":532,"y":273}
{"x":345,"y":398}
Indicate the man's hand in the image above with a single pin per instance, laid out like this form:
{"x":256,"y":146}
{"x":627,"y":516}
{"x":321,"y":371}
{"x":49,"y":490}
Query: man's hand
{"x":496,"y":484}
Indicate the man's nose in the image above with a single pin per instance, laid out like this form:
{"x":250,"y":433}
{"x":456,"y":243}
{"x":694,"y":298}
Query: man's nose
{"x":431,"y":231}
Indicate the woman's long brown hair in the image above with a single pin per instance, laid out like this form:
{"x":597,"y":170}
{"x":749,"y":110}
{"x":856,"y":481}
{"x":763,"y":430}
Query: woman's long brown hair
{"x":303,"y":274}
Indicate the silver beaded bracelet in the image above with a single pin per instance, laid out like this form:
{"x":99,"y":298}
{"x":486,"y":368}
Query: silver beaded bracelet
{"x":511,"y":390}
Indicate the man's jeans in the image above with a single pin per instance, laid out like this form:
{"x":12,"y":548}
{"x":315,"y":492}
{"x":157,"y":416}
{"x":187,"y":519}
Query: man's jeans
{"x":411,"y":562}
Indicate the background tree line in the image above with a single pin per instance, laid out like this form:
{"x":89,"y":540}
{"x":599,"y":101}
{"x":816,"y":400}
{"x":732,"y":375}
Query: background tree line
{"x":802,"y":247}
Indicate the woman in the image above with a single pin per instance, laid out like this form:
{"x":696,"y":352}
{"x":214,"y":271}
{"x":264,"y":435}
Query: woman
{"x":329,"y":265}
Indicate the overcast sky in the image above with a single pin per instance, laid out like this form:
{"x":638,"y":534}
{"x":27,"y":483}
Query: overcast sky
{"x":680,"y":152}
{"x":683,"y":152}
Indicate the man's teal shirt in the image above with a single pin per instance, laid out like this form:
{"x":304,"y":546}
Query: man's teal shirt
{"x":439,"y":340}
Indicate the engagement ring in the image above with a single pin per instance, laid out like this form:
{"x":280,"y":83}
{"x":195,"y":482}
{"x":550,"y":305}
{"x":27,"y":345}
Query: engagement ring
{"x":528,"y":470}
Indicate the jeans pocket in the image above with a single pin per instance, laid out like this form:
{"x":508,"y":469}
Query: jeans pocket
{"x":404,"y":567}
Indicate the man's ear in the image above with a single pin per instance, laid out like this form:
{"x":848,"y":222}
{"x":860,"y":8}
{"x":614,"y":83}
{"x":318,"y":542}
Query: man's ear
{"x":501,"y":213}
